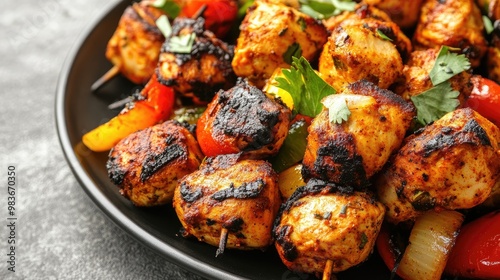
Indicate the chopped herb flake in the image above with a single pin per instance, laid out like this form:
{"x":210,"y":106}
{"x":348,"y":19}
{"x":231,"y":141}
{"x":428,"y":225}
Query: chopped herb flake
{"x":164,"y":25}
{"x":182,"y":43}
{"x":338,"y":111}
{"x":363,"y":241}
{"x":294,"y":50}
{"x":383,"y":36}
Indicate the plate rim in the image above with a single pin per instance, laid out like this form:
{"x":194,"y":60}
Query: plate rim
{"x":91,"y":189}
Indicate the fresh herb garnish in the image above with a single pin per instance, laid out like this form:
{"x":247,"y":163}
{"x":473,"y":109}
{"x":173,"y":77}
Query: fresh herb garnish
{"x":364,"y":240}
{"x":306,"y":88}
{"x":164,"y":25}
{"x":447,"y":65}
{"x":488,"y":25}
{"x":338,"y":111}
{"x":168,"y":6}
{"x":441,"y":99}
{"x":343,"y":211}
{"x":182,"y":43}
{"x":324,"y":216}
{"x":302,"y":22}
{"x":383,"y":36}
{"x":294,"y":50}
{"x":321,"y":9}
{"x":434,"y":103}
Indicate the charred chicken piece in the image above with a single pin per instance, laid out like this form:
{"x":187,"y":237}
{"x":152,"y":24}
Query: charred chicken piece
{"x":196,"y":71}
{"x":456,"y":24}
{"x":270,"y":35}
{"x":243,"y":119}
{"x":354,"y":52}
{"x":321,"y":224}
{"x":416,"y":76}
{"x":135,"y":45}
{"x":351,"y":152}
{"x":229,"y":199}
{"x":404,"y":13}
{"x":378,"y":22}
{"x":148,"y":164}
{"x":451,"y":164}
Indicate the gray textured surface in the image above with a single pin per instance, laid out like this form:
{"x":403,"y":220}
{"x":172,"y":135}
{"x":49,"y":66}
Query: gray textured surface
{"x":60,"y":232}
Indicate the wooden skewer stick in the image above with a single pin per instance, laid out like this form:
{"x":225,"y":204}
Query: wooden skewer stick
{"x":222,"y":242}
{"x":327,"y":273}
{"x":200,"y":12}
{"x":105,"y":78}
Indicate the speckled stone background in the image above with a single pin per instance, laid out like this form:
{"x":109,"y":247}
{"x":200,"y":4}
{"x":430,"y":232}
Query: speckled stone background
{"x":60,"y":233}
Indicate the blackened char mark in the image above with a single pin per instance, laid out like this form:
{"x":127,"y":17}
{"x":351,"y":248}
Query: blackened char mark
{"x":246,"y":190}
{"x":115,"y":173}
{"x":243,"y":114}
{"x":351,"y":170}
{"x":154,"y":162}
{"x":188,"y":195}
{"x":283,"y":239}
{"x":473,"y":127}
{"x":472,"y":133}
{"x":234,"y":224}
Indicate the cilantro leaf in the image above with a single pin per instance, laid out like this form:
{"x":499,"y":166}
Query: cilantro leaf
{"x":338,"y":111}
{"x":181,"y":43}
{"x":169,"y":7}
{"x":436,"y":102}
{"x":321,"y":9}
{"x":306,"y":88}
{"x":447,"y":65}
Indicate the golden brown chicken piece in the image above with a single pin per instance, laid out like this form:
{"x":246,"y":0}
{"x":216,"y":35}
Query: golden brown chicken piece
{"x":377,"y":21}
{"x":451,"y":164}
{"x":135,"y":45}
{"x":229,"y":194}
{"x":243,"y":119}
{"x":197,"y":72}
{"x":404,"y":13}
{"x":416,"y":76}
{"x":350,"y":153}
{"x":320,"y":223}
{"x":270,"y":35}
{"x":456,"y":23}
{"x":148,"y":164}
{"x":353,"y":53}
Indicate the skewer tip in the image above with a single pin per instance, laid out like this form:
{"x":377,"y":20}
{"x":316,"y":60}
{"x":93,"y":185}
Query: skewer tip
{"x":105,"y":78}
{"x":222,"y":242}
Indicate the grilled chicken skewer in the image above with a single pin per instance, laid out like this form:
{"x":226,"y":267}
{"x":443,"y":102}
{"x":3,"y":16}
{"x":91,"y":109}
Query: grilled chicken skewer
{"x":229,"y":197}
{"x":135,"y":45}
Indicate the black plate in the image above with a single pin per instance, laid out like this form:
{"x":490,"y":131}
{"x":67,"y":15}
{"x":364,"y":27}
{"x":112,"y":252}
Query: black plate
{"x":78,"y":110}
